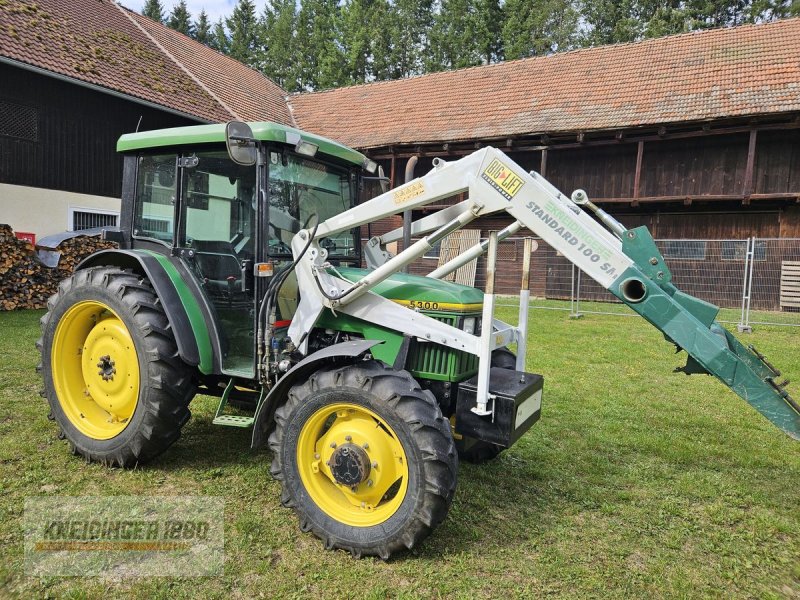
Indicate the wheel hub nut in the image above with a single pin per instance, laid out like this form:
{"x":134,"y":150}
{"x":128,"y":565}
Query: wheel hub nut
{"x":107,"y":368}
{"x":349,"y":465}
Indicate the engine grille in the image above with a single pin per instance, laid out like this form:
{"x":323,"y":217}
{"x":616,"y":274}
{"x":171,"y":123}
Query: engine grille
{"x":433,"y":361}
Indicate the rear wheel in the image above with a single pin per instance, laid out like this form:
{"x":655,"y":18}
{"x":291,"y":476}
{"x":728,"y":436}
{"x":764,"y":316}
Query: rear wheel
{"x":365,"y":457}
{"x":112,"y":375}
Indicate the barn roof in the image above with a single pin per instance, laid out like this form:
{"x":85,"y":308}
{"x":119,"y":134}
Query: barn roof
{"x":244,"y":92}
{"x":716,"y":74}
{"x":721,"y":73}
{"x":105,"y":45}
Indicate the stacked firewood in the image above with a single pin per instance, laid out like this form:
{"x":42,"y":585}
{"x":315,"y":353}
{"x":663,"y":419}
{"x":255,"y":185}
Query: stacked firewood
{"x":27,"y":283}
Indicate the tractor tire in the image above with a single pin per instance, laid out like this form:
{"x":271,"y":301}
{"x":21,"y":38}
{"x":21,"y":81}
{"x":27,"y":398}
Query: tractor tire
{"x":116,"y":385}
{"x":477,"y":451}
{"x":365,"y":458}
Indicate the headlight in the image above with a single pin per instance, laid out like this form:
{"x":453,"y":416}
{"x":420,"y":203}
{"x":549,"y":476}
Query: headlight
{"x":469,"y":325}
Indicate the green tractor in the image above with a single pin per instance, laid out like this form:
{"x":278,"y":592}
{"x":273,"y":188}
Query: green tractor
{"x":239,"y":275}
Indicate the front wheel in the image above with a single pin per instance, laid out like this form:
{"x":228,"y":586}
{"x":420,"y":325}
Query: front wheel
{"x":365,"y":458}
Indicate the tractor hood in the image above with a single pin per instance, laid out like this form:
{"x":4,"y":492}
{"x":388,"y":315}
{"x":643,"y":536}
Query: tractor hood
{"x":423,"y":293}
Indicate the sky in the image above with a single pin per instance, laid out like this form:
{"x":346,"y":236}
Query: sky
{"x":214,"y":8}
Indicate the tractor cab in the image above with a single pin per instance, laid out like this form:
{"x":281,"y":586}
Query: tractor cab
{"x":229,"y":209}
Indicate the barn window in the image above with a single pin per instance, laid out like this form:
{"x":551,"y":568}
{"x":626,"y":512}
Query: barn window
{"x":19,"y":121}
{"x":435,"y":250}
{"x":80,"y":219}
{"x":737,"y":250}
{"x":684,"y":249}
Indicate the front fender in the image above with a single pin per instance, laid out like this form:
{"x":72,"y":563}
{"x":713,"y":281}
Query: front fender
{"x":182,"y":309}
{"x":266,"y":410}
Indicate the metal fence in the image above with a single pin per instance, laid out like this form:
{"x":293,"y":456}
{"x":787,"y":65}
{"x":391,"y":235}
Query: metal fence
{"x":755,"y":281}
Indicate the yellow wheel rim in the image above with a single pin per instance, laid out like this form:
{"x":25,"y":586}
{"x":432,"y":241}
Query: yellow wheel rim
{"x":95,"y":370}
{"x":340,"y":432}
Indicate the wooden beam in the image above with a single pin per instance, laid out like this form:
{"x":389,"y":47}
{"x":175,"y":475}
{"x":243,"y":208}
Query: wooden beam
{"x":670,"y":199}
{"x":777,"y":196}
{"x":534,"y":144}
{"x":392,"y":170}
{"x":788,"y":196}
{"x":747,"y":184}
{"x":543,"y":164}
{"x":637,"y":174}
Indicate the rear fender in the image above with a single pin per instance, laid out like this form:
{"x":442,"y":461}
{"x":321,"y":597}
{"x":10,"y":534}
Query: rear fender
{"x":345,"y":351}
{"x":184,"y":313}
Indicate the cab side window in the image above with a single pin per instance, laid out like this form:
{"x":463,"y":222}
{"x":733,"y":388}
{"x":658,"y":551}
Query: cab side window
{"x":154,"y":216}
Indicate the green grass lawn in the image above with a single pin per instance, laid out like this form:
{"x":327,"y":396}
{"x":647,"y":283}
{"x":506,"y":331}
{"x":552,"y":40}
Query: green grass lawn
{"x":637,"y":482}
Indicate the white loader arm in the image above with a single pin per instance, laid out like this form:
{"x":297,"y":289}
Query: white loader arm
{"x":494,"y":183}
{"x":625,"y":262}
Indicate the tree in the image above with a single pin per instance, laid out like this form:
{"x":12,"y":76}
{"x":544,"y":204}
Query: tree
{"x":180,"y":19}
{"x":243,"y":26}
{"x":539,"y":27}
{"x":613,"y":21}
{"x":219,"y":39}
{"x":408,"y":25}
{"x":610,"y":22}
{"x":489,"y":30}
{"x":382,"y":24}
{"x":202,"y":29}
{"x":277,"y":56}
{"x":154,"y":9}
{"x":357,"y":37}
{"x":453,"y":37}
{"x":319,"y":54}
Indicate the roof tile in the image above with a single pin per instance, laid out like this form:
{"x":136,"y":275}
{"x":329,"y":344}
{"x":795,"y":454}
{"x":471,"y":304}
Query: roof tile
{"x":721,"y":73}
{"x":102,"y":43}
{"x":248,"y":94}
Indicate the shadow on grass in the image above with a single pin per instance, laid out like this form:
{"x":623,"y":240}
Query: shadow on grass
{"x":488,"y":498}
{"x":203,"y":445}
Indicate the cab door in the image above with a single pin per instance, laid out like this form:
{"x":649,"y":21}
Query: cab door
{"x":217,"y":230}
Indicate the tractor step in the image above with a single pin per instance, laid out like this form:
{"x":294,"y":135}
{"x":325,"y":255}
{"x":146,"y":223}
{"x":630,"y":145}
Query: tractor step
{"x":233,"y":421}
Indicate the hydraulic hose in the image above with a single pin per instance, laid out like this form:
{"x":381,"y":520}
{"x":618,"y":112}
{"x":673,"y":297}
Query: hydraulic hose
{"x":272,"y":291}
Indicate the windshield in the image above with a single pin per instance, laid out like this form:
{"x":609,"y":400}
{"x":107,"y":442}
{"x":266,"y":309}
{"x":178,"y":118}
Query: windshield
{"x":300,"y":188}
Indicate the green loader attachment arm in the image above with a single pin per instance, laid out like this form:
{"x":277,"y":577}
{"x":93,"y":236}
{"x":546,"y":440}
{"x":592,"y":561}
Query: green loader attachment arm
{"x":624,"y":261}
{"x":691,"y":325}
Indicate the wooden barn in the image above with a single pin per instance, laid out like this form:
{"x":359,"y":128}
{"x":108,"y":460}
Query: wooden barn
{"x":696,"y":136}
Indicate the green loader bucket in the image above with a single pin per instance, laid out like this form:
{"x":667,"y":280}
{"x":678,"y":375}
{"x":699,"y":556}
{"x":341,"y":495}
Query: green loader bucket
{"x":690,"y":324}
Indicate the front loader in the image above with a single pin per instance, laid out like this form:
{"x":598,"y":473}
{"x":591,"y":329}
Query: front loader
{"x":238,"y":275}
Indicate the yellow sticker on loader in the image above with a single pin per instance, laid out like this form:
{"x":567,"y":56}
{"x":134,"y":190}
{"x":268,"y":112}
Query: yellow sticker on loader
{"x":503,"y":179}
{"x":403,"y":195}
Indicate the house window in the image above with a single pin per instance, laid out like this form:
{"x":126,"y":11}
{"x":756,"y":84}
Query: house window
{"x":683,"y":249}
{"x":82,"y":218}
{"x":737,"y":250}
{"x":157,"y":225}
{"x":19,"y":121}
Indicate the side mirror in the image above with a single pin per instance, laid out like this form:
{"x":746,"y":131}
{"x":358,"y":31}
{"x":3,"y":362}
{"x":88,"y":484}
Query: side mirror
{"x":240,"y":143}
